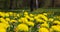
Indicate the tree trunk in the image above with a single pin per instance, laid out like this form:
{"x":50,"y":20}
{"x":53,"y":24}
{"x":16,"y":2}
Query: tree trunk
{"x":36,"y":4}
{"x":11,"y":4}
{"x":31,"y":5}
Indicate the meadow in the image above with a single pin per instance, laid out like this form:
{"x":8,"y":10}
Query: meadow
{"x":40,"y":20}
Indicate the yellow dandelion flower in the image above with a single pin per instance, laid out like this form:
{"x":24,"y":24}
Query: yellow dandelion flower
{"x":6,"y":14}
{"x":56,"y":28}
{"x":57,"y":16}
{"x":0,"y":12}
{"x":31,"y":19}
{"x":10,"y":13}
{"x":51,"y":30}
{"x":7,"y":19}
{"x":44,"y":25}
{"x":36,"y":17}
{"x":2,"y":30}
{"x":45,"y":14}
{"x":13,"y":21}
{"x":26,"y":16}
{"x":2,"y":20}
{"x":3,"y":14}
{"x":18,"y":15}
{"x":23,"y":20}
{"x":14,"y":14}
{"x":39,"y":20}
{"x":22,"y":27}
{"x":30,"y":24}
{"x":57,"y":22}
{"x":42,"y":16}
{"x":25,"y":13}
{"x":4,"y":25}
{"x":31,"y":15}
{"x":19,"y":20}
{"x":43,"y":30}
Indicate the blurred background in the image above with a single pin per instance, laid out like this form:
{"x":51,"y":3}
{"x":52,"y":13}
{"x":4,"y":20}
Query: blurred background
{"x":25,"y":4}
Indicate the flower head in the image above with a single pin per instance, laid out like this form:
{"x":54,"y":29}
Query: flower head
{"x":4,"y":25}
{"x":23,"y":20}
{"x":2,"y":30}
{"x":56,"y":28}
{"x":22,"y":27}
{"x":13,"y":21}
{"x":30,"y":24}
{"x":44,"y":25}
{"x":7,"y":19}
{"x":25,"y":13}
{"x":31,"y":15}
{"x":56,"y":22}
{"x":43,"y":30}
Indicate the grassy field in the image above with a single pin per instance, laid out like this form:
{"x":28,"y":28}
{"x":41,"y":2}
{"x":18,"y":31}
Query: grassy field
{"x":40,"y":9}
{"x":40,"y":20}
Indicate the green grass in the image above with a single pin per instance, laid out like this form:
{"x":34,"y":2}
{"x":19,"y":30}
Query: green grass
{"x":46,"y":10}
{"x":40,"y":10}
